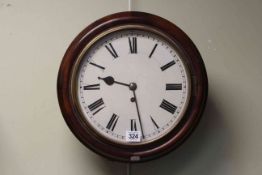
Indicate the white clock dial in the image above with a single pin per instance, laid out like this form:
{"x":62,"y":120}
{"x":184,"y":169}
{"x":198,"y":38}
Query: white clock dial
{"x":132,"y":80}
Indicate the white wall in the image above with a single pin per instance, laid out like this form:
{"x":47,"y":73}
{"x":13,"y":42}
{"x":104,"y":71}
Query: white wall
{"x":34,"y":138}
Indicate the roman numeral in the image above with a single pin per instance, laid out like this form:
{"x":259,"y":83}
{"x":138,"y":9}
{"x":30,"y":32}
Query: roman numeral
{"x":132,"y":44}
{"x":112,"y":122}
{"x":168,"y":65}
{"x":169,"y":107}
{"x":154,"y":48}
{"x":92,"y":87}
{"x":98,"y":66}
{"x":96,"y":106}
{"x":133,"y":125}
{"x":154,"y":122}
{"x":111,"y":50}
{"x":174,"y":86}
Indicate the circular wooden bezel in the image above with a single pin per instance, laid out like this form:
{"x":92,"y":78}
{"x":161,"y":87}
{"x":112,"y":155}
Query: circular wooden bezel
{"x":138,"y":153}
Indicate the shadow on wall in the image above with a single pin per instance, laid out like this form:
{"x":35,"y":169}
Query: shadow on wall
{"x":204,"y":152}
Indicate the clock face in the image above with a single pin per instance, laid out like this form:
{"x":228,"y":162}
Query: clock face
{"x":131,"y":85}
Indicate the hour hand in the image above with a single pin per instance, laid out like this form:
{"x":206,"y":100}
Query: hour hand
{"x":109,"y":80}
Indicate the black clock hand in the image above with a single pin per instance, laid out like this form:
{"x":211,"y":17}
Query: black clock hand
{"x":110,"y":81}
{"x":133,"y":87}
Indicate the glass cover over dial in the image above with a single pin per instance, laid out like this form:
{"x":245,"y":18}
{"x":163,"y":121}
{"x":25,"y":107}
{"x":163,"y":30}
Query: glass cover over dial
{"x":131,"y":85}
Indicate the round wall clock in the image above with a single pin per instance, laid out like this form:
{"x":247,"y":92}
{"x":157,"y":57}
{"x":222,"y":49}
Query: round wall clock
{"x":132,"y":86}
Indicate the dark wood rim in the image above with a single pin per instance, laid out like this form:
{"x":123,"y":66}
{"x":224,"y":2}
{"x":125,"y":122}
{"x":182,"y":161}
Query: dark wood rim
{"x":174,"y":138}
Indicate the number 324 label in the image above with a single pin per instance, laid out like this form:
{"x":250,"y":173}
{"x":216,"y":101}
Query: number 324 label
{"x":133,"y":136}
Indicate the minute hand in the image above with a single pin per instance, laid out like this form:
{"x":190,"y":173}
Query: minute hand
{"x":138,"y":113}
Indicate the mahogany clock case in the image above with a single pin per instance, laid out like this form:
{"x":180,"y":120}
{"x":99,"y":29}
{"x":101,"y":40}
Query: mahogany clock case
{"x":138,"y":153}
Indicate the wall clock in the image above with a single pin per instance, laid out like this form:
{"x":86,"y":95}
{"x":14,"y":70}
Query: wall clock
{"x":132,"y":86}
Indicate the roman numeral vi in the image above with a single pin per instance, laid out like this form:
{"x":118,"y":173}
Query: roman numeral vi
{"x":133,"y":125}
